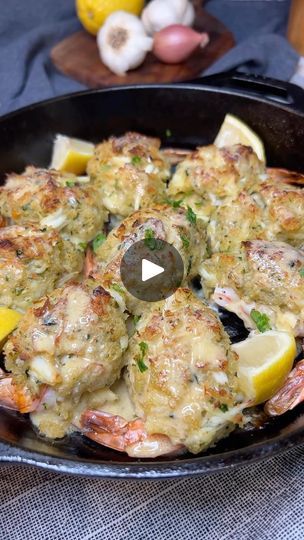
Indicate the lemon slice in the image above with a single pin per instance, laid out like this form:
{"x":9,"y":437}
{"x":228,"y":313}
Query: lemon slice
{"x":9,"y":319}
{"x":71,"y":155}
{"x":264,"y":363}
{"x":235,"y":131}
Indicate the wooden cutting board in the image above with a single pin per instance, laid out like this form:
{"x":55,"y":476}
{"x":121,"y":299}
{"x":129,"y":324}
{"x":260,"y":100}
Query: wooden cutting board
{"x":77,"y":57}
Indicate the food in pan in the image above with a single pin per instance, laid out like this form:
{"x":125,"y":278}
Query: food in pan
{"x":176,"y":226}
{"x":70,"y":342}
{"x":271,"y":210}
{"x":33,"y":263}
{"x":216,"y":175}
{"x":152,"y":378}
{"x":49,"y":199}
{"x":264,"y":277}
{"x":130,"y":173}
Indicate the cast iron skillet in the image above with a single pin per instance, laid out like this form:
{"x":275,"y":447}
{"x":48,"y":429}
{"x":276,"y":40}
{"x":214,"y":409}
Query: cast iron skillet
{"x":193,"y":113}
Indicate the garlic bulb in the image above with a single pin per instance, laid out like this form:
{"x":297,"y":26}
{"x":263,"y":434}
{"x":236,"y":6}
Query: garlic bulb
{"x":122,"y":42}
{"x":161,"y":13}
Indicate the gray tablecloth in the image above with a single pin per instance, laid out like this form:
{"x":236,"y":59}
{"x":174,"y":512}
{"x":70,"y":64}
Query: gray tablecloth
{"x":263,"y":501}
{"x":260,"y":502}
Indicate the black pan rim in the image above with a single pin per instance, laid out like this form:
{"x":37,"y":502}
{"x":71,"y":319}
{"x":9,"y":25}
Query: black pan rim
{"x":157,"y":86}
{"x":153,"y":470}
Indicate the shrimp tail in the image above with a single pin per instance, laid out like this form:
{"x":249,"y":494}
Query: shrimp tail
{"x":15,"y":397}
{"x":285,"y":176}
{"x":131,"y":437}
{"x":290,"y":395}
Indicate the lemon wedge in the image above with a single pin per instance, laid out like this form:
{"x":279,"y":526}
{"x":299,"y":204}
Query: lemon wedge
{"x":265,"y":360}
{"x":9,"y":319}
{"x":71,"y":155}
{"x":235,"y":131}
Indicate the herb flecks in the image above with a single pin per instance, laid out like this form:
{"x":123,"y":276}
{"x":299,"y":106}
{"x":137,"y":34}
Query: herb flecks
{"x":185,"y":240}
{"x":301,"y":272}
{"x":174,"y":203}
{"x":223,"y":407}
{"x":136,"y":160}
{"x":136,"y":319}
{"x":261,"y":320}
{"x":151,"y":242}
{"x":98,"y":241}
{"x":117,"y":288}
{"x":191,"y":216}
{"x":140,"y":361}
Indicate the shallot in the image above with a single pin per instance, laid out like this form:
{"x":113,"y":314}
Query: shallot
{"x":176,"y":43}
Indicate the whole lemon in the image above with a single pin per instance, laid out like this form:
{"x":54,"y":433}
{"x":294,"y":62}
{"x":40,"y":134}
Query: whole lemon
{"x":93,"y":13}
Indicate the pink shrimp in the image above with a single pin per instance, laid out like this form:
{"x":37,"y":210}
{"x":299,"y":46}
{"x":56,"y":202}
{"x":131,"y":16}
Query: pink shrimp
{"x":130,"y":437}
{"x":290,"y":395}
{"x":285,"y":176}
{"x":17,"y":397}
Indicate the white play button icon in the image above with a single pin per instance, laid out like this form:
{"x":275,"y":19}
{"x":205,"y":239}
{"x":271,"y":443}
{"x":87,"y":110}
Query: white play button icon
{"x":150,"y":270}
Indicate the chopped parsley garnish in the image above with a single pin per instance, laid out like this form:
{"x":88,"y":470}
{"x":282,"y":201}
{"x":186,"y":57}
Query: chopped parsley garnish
{"x":151,"y":242}
{"x":301,"y":272}
{"x":141,"y":365}
{"x":191,"y":216}
{"x":83,"y":246}
{"x":143,"y":348}
{"x":117,"y":288}
{"x":136,"y":160}
{"x":185,"y":240}
{"x":136,"y":319}
{"x":98,"y":241}
{"x":168,"y":133}
{"x":261,"y":320}
{"x":70,"y":183}
{"x":140,"y":361}
{"x":173,"y":203}
{"x":223,"y":407}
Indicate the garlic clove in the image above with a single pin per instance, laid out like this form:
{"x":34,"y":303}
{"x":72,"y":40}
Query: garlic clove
{"x":176,"y":43}
{"x":122,"y":42}
{"x":159,"y":17}
{"x":179,"y":7}
{"x":159,"y":14}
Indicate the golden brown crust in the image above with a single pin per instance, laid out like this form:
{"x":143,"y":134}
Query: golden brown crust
{"x":130,"y":173}
{"x":72,"y":342}
{"x":32,"y":263}
{"x":189,"y":377}
{"x":50,"y":199}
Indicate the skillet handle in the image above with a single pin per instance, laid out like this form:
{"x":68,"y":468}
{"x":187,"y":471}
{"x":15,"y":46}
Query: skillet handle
{"x":273,"y":90}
